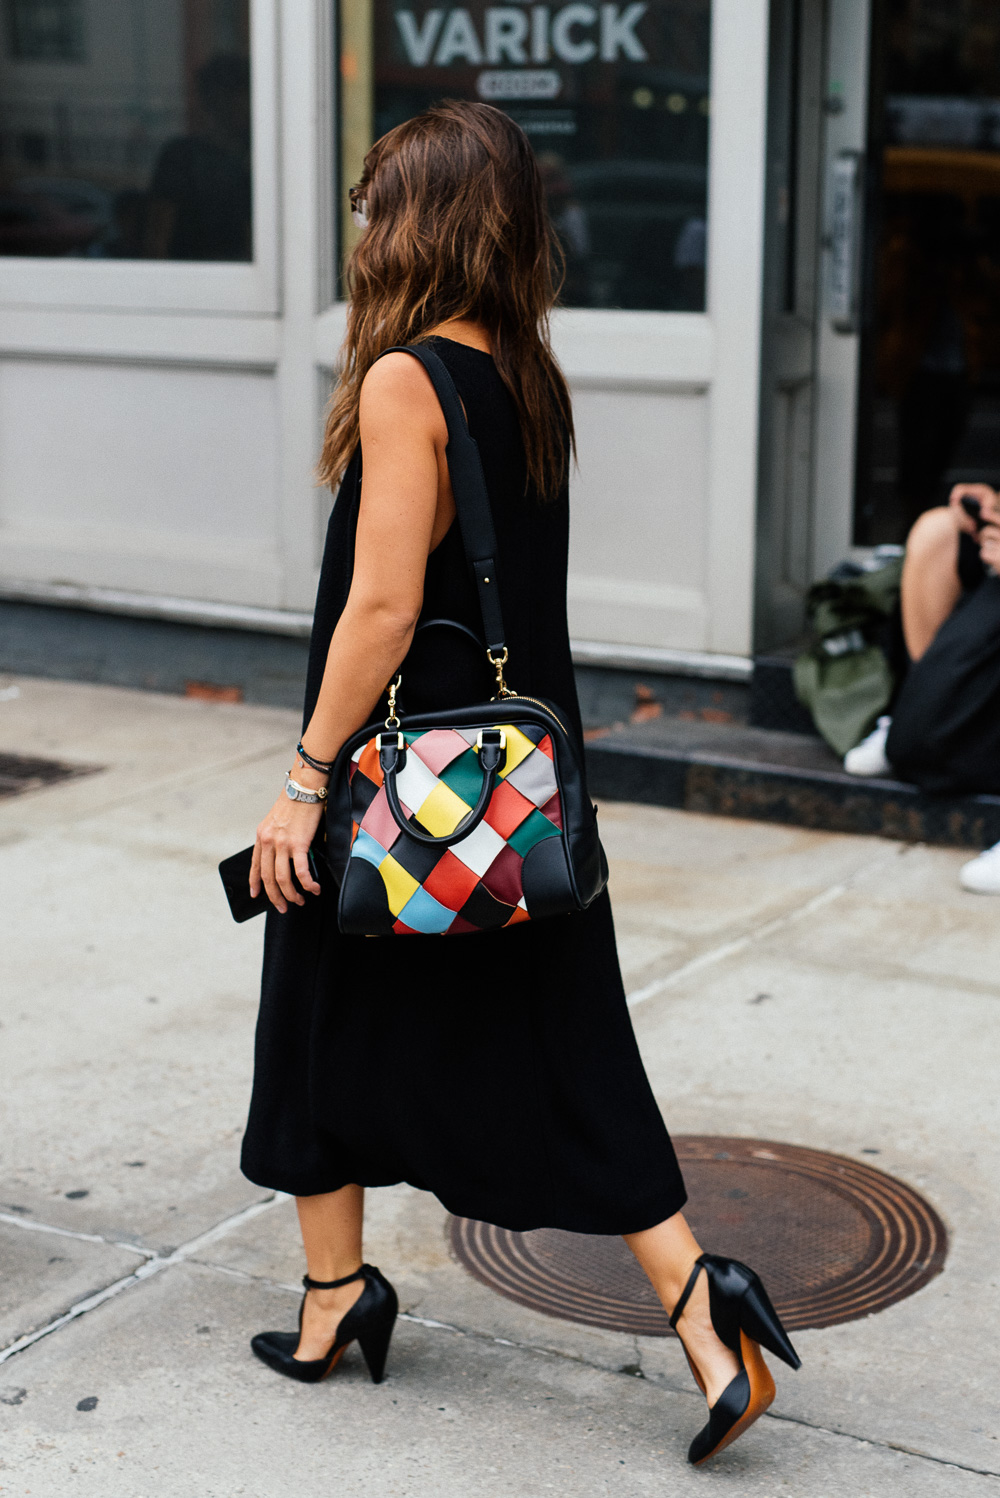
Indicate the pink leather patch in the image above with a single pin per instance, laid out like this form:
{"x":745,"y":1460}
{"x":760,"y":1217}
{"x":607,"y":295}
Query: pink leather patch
{"x":438,"y":748}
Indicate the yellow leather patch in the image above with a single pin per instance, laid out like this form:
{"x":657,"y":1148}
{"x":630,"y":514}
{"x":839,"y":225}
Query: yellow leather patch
{"x":518,"y":748}
{"x":398,"y":883}
{"x":442,"y":811}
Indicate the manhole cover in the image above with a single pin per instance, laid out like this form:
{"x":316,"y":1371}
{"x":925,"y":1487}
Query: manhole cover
{"x":834,"y":1240}
{"x":24,"y":772}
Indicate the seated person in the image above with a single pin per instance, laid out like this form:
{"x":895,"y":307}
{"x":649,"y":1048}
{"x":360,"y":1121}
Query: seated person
{"x":946,"y":555}
{"x":199,"y":205}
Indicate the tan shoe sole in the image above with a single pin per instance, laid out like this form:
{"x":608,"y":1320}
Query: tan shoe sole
{"x":762,"y":1392}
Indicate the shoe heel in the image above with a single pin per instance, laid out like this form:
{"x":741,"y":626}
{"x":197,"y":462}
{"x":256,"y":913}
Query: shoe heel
{"x":374,"y":1344}
{"x":760,"y":1321}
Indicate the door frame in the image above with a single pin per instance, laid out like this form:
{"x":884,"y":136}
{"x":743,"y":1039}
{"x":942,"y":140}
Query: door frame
{"x":783,"y":558}
{"x":838,"y":345}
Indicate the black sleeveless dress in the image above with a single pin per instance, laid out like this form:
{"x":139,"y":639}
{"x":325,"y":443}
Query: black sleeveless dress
{"x":498,"y":1070}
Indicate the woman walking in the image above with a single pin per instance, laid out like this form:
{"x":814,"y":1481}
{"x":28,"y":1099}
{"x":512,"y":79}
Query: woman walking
{"x":499,"y":1070}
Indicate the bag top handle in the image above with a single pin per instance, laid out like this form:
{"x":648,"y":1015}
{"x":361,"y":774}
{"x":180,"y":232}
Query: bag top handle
{"x":472,"y":502}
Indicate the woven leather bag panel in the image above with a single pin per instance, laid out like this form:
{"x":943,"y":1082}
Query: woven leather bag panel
{"x":475,"y":885}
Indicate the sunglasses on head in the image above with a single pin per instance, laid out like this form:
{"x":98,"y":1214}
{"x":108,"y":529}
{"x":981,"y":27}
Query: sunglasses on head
{"x":359,"y":207}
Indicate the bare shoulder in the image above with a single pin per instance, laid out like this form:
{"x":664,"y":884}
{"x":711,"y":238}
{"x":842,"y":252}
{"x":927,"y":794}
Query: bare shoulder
{"x":397,"y":388}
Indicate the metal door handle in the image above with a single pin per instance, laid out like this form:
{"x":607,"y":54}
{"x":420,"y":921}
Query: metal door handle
{"x":843,"y":284}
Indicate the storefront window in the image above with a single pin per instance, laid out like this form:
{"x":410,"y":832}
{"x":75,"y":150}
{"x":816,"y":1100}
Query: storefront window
{"x":125,"y":129}
{"x":930,"y":408}
{"x":614,"y":98}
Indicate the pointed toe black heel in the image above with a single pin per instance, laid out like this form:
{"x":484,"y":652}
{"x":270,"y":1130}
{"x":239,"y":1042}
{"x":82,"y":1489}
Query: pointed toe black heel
{"x":369,"y":1322}
{"x":745,"y":1321}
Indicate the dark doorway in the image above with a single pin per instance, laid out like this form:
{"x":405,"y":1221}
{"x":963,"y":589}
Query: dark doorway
{"x":930,"y":367}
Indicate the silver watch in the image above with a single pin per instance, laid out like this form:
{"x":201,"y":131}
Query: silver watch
{"x":296,"y":792}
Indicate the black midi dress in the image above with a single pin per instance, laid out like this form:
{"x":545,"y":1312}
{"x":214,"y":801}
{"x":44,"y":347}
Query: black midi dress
{"x":498,"y":1070}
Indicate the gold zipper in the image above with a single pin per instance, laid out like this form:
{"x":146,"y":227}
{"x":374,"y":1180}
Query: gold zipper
{"x":520,"y":697}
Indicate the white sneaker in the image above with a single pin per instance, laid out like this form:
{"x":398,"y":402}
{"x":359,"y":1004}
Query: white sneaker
{"x":982,"y":875}
{"x":868,"y":757}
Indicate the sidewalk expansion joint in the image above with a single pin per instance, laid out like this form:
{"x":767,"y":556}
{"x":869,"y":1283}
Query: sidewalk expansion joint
{"x":733,"y":948}
{"x":628,"y":1370}
{"x":28,"y":1225}
{"x":187,"y":1253}
{"x":756,"y":935}
{"x":154,"y":1264}
{"x":883,"y":1445}
{"x":431,"y":1324}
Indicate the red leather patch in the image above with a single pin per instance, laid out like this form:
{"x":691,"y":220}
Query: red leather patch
{"x":553,"y":810}
{"x":507,"y":809}
{"x":450,"y":882}
{"x":503,"y":877}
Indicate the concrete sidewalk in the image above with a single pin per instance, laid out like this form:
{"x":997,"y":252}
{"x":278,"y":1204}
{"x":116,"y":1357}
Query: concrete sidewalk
{"x":127,"y":1025}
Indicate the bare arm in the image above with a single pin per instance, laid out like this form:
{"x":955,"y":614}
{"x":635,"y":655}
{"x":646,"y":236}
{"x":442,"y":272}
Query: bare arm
{"x":406,"y":507}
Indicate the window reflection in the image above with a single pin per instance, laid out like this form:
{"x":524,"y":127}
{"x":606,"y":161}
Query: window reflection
{"x":614,"y":98}
{"x":125,"y":129}
{"x":51,"y":29}
{"x":934,"y":348}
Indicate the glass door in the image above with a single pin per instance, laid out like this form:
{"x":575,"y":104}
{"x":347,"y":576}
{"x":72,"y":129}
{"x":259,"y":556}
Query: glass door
{"x":614,"y":98}
{"x":930,"y":367}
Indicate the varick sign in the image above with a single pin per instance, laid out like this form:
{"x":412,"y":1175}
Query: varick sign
{"x":514,"y":43}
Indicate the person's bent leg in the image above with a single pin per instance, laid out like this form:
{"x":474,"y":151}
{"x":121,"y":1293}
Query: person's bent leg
{"x":667,"y":1253}
{"x":332,"y":1226}
{"x":722,"y":1313}
{"x":931,"y":586}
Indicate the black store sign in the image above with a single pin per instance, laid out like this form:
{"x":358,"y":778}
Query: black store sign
{"x":615,"y":99}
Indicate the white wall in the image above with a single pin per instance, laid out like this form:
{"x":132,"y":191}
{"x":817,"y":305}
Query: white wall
{"x":131,"y":476}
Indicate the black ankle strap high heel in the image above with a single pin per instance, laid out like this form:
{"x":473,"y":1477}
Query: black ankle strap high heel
{"x":369,"y":1322}
{"x":744,"y":1320}
{"x":348,"y":1279}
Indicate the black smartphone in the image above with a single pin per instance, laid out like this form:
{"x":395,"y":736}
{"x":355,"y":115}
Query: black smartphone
{"x":235,"y":875}
{"x":974,"y":509}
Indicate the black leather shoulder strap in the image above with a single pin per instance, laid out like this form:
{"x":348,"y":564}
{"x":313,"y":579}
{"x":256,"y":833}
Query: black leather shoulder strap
{"x":472,"y":502}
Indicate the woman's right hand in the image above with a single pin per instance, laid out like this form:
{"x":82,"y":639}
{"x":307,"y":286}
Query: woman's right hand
{"x":987,"y":498}
{"x":283,"y":841}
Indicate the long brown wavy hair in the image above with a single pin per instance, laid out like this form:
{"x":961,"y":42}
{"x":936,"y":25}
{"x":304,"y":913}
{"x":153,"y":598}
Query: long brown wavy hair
{"x":457,"y":228}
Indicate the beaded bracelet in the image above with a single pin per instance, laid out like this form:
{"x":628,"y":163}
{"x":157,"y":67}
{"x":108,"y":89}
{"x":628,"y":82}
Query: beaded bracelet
{"x":314,"y":764}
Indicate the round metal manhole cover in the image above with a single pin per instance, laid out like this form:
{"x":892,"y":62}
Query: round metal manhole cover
{"x":832,"y":1239}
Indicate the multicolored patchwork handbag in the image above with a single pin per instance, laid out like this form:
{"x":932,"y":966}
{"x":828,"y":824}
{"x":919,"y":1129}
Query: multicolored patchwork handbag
{"x":471,"y":819}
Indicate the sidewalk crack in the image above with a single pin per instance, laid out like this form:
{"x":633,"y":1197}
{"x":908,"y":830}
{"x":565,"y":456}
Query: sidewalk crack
{"x":755,"y":934}
{"x":849,"y":1435}
{"x":187,"y":1253}
{"x":154,"y":1264}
